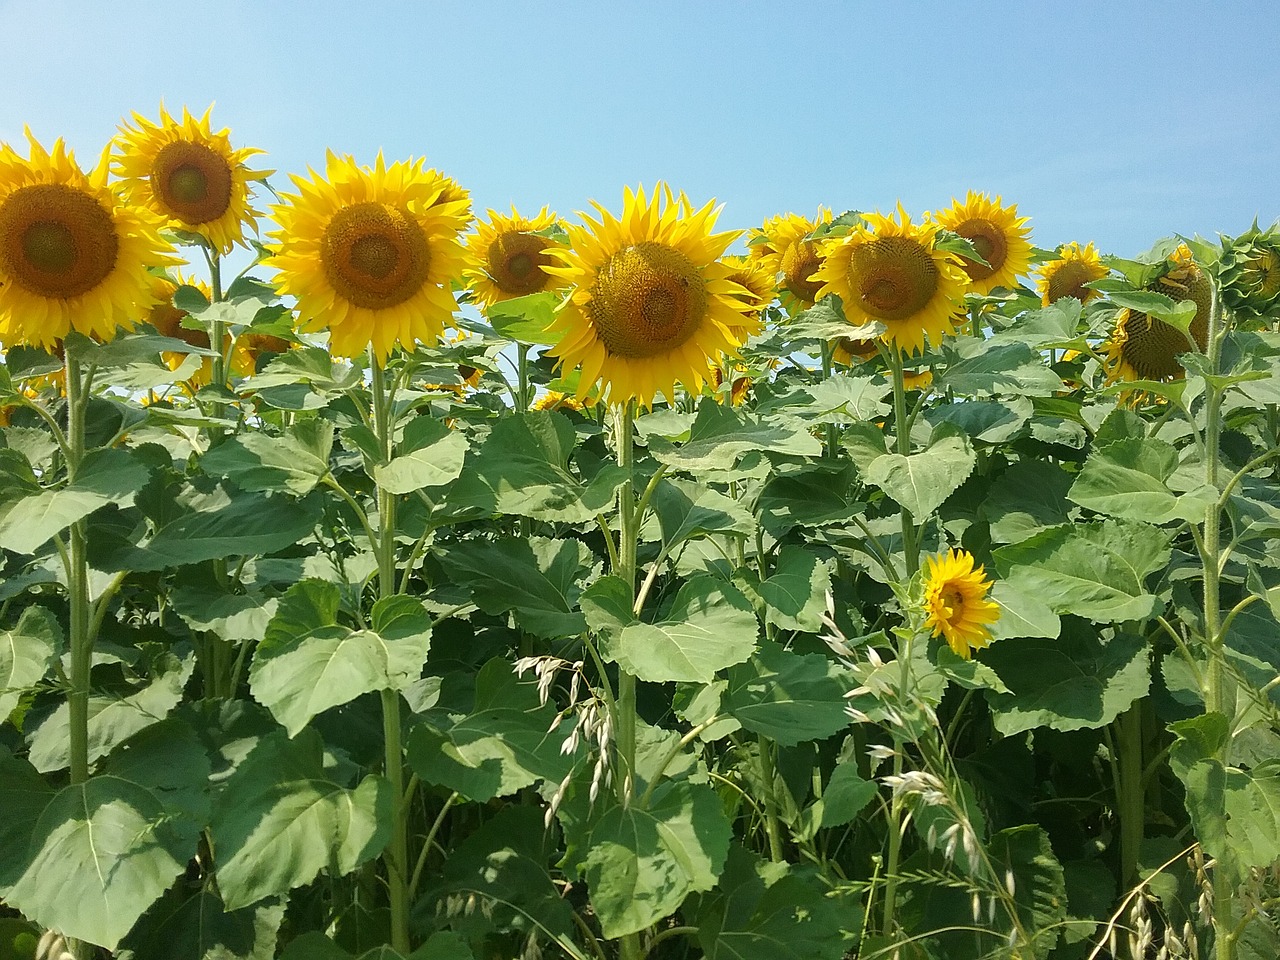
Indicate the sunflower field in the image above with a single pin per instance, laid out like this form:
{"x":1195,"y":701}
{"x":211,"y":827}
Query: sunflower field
{"x":382,"y":579}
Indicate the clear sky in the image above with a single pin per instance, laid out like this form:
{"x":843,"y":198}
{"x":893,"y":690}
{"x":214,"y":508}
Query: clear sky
{"x":1118,"y":122}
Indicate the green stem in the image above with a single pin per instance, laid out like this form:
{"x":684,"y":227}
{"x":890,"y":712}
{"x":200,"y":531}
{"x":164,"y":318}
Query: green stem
{"x":78,"y":583}
{"x":831,"y":441}
{"x":902,"y":431}
{"x":1129,"y":801}
{"x":522,"y":375}
{"x":769,"y":778}
{"x":396,"y":856}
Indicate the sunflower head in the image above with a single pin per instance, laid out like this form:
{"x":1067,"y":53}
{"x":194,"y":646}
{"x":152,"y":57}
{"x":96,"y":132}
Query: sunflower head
{"x":997,"y":233}
{"x":890,"y":271}
{"x":849,"y":351}
{"x":370,"y":253}
{"x":1067,"y":275}
{"x":651,"y":302}
{"x":755,"y":278}
{"x":955,"y":602}
{"x":167,"y":319}
{"x":73,"y":255}
{"x":554,"y":400}
{"x":189,"y":175}
{"x":506,"y":256}
{"x":1249,"y":273}
{"x":785,"y":247}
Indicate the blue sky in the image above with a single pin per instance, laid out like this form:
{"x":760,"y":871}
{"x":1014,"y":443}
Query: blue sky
{"x":1115,"y":122}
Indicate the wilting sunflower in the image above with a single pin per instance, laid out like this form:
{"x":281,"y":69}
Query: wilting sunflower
{"x":370,"y":253}
{"x":1142,"y":347}
{"x":890,"y":271}
{"x":505,"y":257}
{"x":956,"y":604}
{"x":997,"y":233}
{"x":652,"y":303}
{"x":73,"y":256}
{"x":1249,"y":272}
{"x":189,"y":175}
{"x":1067,"y":276}
{"x":784,"y":246}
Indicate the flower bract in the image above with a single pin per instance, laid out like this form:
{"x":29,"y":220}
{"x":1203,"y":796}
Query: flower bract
{"x":956,"y":604}
{"x":652,"y":302}
{"x":370,"y":253}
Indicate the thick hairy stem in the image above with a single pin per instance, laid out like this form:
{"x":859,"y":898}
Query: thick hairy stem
{"x":78,"y":585}
{"x":902,"y":432}
{"x":1130,"y":791}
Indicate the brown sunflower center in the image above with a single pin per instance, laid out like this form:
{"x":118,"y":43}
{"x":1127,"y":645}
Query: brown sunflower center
{"x":1190,"y":283}
{"x":647,"y":299}
{"x":192,"y":181}
{"x":1069,"y":281}
{"x":893,"y":277}
{"x":515,"y":262}
{"x":56,"y":241}
{"x":990,"y":242}
{"x":799,"y":263}
{"x":374,"y":255}
{"x":1151,"y":347}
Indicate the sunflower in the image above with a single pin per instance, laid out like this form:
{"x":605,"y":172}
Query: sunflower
{"x":167,"y":320}
{"x":652,"y":303}
{"x":890,"y":271}
{"x":1067,"y":276}
{"x":189,"y":175}
{"x":1142,"y":347}
{"x":956,"y":604}
{"x":997,"y":233}
{"x":784,"y":246}
{"x":554,"y":400}
{"x":1249,"y":272}
{"x":73,"y":256}
{"x":756,"y":281}
{"x":370,"y":253}
{"x":506,"y":256}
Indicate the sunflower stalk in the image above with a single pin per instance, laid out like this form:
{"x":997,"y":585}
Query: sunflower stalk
{"x":396,"y":856}
{"x":902,"y":431}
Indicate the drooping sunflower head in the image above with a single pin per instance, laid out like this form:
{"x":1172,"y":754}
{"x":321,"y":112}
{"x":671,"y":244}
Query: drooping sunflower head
{"x":370,"y":252}
{"x":73,"y":255}
{"x":890,"y":271}
{"x":1249,"y":272}
{"x":997,"y":233}
{"x":956,"y":604}
{"x":651,"y":300}
{"x":506,"y":256}
{"x":784,"y":245}
{"x":1067,"y":275}
{"x":1182,"y":279}
{"x":189,"y":175}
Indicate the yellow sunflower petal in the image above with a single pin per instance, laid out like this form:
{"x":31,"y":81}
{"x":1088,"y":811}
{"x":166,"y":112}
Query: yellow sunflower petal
{"x":956,"y":604}
{"x":997,"y":233}
{"x":1067,"y":275}
{"x":507,"y":257}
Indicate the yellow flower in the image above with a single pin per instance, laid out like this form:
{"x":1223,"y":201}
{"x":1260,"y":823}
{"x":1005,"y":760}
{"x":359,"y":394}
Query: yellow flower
{"x":956,"y":604}
{"x":997,"y":233}
{"x":370,"y":253}
{"x":784,"y":247}
{"x":652,"y":303}
{"x":506,"y":256}
{"x":1067,"y":276}
{"x":1142,"y":347}
{"x":73,"y":256}
{"x":189,"y":176}
{"x":890,"y":271}
{"x":167,"y":320}
{"x":757,"y":284}
{"x":554,"y":400}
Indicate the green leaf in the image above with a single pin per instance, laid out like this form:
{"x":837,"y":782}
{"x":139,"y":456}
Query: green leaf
{"x":24,"y":794}
{"x":642,"y":863}
{"x":1051,"y":327}
{"x":112,"y":719}
{"x":505,"y":744}
{"x":710,"y":626}
{"x":232,"y":616}
{"x":1028,"y":497}
{"x":1074,"y":682}
{"x":228,"y":526}
{"x":982,"y":368}
{"x":722,"y":435}
{"x":257,"y":462}
{"x":689,"y":511}
{"x":537,"y":578}
{"x":428,"y":455}
{"x":809,"y":496}
{"x":788,"y":697}
{"x":522,"y":469}
{"x":986,"y":421}
{"x":102,"y":851}
{"x":841,"y":399}
{"x":527,"y":319}
{"x":771,"y":911}
{"x":307,"y":663}
{"x":281,"y":820}
{"x":794,"y":595}
{"x":1095,"y":570}
{"x":25,"y":653}
{"x":105,"y":476}
{"x":1129,"y":479}
{"x":196,"y":925}
{"x":1022,"y":615}
{"x":922,"y":481}
{"x":844,"y":797}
